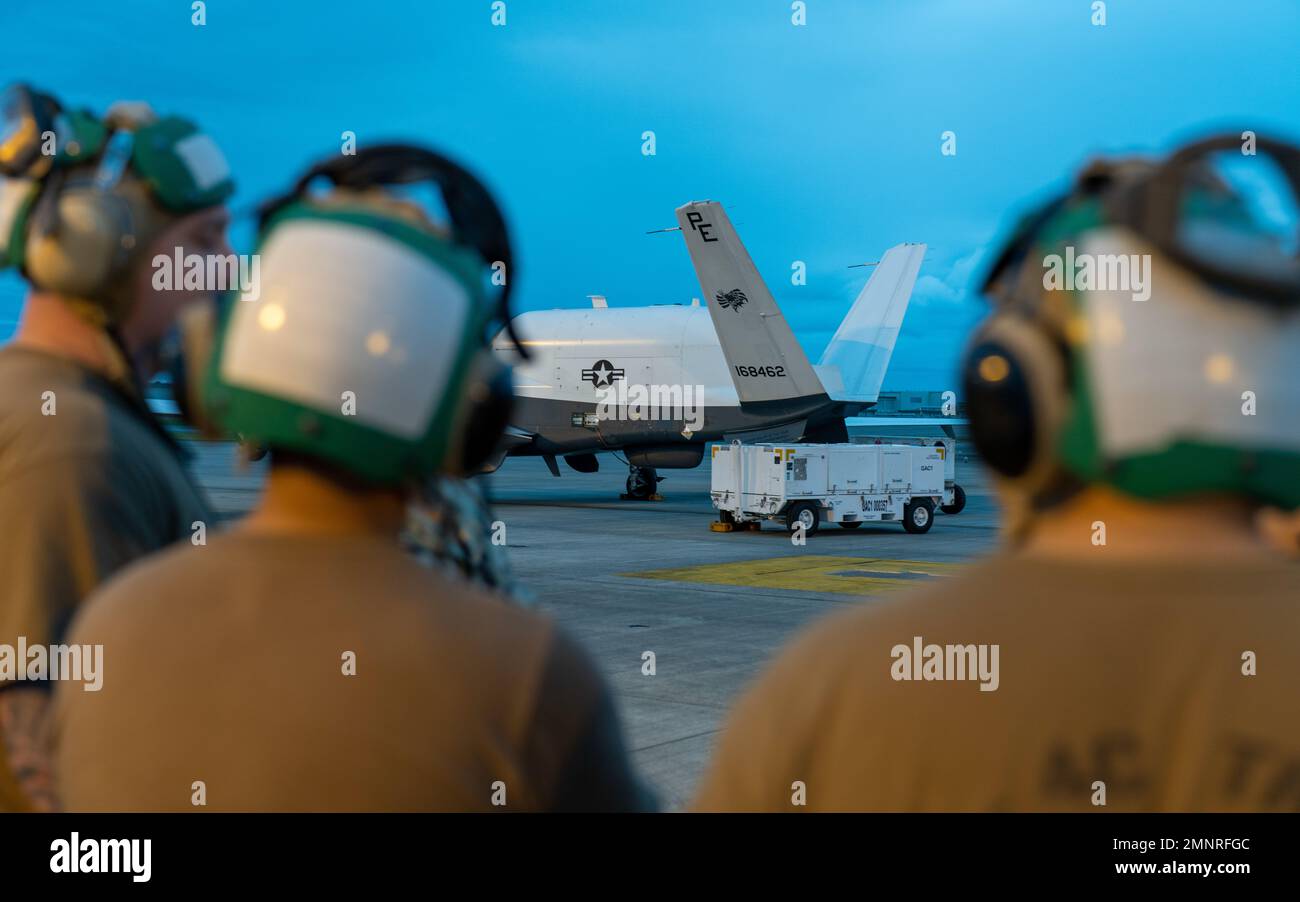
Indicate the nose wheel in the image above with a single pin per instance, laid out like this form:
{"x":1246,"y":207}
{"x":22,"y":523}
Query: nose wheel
{"x":642,"y":484}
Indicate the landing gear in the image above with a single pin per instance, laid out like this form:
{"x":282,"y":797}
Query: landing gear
{"x":642,"y":484}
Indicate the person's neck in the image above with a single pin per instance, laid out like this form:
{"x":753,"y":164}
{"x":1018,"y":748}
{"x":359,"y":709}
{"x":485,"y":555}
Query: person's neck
{"x":50,"y":325}
{"x":298,"y":500}
{"x":1212,"y":527}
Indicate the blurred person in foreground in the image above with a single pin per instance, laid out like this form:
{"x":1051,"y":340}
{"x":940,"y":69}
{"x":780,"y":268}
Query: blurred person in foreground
{"x":303,"y":660}
{"x":89,"y":480}
{"x":1135,"y":646}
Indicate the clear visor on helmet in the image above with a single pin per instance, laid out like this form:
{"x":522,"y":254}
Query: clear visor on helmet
{"x":1238,"y":215}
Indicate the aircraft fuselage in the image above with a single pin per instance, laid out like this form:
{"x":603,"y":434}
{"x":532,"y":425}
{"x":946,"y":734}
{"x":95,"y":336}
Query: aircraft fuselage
{"x":610,"y":379}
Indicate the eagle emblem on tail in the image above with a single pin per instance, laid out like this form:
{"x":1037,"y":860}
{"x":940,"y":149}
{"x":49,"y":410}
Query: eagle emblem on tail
{"x":733,"y":299}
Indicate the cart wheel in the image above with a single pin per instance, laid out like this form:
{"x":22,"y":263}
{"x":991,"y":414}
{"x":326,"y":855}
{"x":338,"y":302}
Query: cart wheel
{"x":918,"y":516}
{"x":958,"y":501}
{"x":805,"y":513}
{"x":851,"y":524}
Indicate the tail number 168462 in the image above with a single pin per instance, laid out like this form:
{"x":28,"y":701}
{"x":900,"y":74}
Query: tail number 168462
{"x":752,"y":371}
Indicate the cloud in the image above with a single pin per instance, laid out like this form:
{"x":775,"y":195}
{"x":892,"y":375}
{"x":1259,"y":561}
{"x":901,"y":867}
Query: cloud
{"x":931,"y":290}
{"x":954,"y":283}
{"x":945,"y":307}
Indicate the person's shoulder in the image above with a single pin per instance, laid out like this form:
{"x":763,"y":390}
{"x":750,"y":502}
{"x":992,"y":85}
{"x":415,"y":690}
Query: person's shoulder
{"x":56,"y":416}
{"x":475,"y":609}
{"x":947,"y":598}
{"x":421,"y":613}
{"x":372,"y":583}
{"x":142,"y":576}
{"x":47,"y":411}
{"x":1008,"y":593}
{"x":148,"y":584}
{"x":843,"y":657}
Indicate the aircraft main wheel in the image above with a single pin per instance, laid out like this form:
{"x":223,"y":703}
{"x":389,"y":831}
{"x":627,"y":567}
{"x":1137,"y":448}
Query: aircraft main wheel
{"x":851,"y":524}
{"x":958,"y":501}
{"x":918,"y":516}
{"x":804,"y":513}
{"x":642,"y":482}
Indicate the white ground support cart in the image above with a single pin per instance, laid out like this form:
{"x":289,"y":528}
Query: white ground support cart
{"x":848,"y":484}
{"x":954,"y":496}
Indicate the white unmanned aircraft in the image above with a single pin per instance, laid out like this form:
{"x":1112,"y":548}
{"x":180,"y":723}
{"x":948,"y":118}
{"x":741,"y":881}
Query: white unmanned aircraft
{"x":659,"y":383}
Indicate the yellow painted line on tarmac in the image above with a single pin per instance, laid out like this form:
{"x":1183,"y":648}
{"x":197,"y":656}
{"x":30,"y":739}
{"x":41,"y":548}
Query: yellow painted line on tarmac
{"x":810,"y":573}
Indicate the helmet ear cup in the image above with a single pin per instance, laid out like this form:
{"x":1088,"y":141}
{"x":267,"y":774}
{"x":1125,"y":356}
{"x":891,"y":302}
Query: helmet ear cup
{"x":1015,"y":383}
{"x":488,"y":399}
{"x":81,"y":243}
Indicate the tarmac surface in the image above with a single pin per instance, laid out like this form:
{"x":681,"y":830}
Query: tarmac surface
{"x":626,"y":578}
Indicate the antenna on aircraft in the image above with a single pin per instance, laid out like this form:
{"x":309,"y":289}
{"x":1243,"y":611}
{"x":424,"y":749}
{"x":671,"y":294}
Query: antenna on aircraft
{"x":877,"y":262}
{"x":679,"y":228}
{"x":598,"y":301}
{"x":673,"y":229}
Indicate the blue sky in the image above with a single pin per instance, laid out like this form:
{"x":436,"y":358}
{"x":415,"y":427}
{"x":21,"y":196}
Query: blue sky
{"x":822,"y":140}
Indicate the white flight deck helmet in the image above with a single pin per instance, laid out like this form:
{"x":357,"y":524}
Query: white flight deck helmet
{"x":366,"y":344}
{"x":1181,"y":379}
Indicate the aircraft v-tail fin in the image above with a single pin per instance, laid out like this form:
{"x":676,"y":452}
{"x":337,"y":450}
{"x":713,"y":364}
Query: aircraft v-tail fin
{"x":854,"y":363}
{"x":766,"y":362}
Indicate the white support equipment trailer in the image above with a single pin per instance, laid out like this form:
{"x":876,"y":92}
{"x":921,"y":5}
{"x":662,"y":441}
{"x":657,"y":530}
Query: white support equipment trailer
{"x":849,"y":484}
{"x":954,"y":496}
